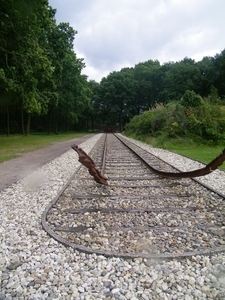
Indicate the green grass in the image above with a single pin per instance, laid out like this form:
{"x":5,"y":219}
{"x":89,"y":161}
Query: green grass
{"x":201,"y":152}
{"x":16,"y":145}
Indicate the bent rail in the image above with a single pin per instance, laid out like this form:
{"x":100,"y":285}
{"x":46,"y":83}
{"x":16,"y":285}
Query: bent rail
{"x":212,"y":166}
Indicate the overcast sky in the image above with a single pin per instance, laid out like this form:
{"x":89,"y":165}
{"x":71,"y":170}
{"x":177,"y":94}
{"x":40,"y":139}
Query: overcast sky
{"x":113,"y":34}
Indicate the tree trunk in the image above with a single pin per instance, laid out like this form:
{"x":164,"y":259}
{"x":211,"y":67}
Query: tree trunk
{"x":92,"y":124}
{"x":49,"y":120}
{"x":7,"y":116}
{"x":87,"y":124}
{"x":56,"y":126}
{"x":120,"y":124}
{"x":28,"y":125}
{"x":22,"y":123}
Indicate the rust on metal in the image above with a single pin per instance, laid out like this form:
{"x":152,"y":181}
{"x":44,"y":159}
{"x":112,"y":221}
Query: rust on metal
{"x":104,"y":157}
{"x":132,"y":211}
{"x":90,"y":165}
{"x":210,"y":167}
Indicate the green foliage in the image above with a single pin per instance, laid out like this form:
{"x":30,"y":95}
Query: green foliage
{"x":39,"y":71}
{"x":219,"y":73}
{"x":147,"y":85}
{"x":179,"y":77}
{"x":116,"y":98}
{"x":205,"y":122}
{"x":191,"y":99}
{"x":24,"y":63}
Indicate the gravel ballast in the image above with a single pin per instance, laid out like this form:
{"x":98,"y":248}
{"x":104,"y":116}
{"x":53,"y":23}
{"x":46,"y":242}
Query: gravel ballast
{"x":35,"y":266}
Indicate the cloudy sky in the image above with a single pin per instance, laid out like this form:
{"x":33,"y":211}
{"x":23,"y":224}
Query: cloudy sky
{"x":113,"y":34}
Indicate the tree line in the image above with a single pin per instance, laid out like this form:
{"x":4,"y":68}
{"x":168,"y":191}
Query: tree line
{"x":42,"y":88}
{"x":41,"y":85}
{"x":131,"y":91}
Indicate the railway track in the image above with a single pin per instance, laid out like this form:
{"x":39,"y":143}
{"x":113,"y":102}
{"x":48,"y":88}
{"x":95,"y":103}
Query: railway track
{"x":138,"y":213}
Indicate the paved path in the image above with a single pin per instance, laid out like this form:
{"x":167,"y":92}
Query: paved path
{"x":17,"y":168}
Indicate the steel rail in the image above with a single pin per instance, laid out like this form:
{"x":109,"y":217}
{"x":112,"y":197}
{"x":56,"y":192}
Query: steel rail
{"x":189,"y":174}
{"x":47,"y":227}
{"x":213,"y":165}
{"x":104,"y":158}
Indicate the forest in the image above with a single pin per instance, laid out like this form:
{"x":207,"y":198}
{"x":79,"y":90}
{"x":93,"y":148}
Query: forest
{"x":41,"y":85}
{"x":43,"y":89}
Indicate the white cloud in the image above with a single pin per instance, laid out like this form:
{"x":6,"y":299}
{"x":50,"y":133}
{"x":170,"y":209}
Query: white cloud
{"x":118,"y":33}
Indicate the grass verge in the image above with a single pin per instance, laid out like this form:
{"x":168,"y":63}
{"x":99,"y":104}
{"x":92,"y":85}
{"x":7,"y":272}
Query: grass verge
{"x":16,"y":145}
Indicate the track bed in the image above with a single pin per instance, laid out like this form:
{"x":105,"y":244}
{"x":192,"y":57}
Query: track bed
{"x":139,"y":213}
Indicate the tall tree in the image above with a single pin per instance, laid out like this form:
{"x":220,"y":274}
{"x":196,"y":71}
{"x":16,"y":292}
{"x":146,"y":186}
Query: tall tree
{"x":71,"y":86}
{"x":93,"y":113}
{"x":23,"y":62}
{"x":207,"y":76}
{"x":179,"y":77}
{"x":219,"y":72}
{"x":117,"y":93}
{"x":147,"y":84}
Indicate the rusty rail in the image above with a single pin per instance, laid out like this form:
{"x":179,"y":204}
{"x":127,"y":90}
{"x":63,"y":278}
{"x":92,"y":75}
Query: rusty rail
{"x":94,"y":217}
{"x":104,"y":158}
{"x":210,"y":167}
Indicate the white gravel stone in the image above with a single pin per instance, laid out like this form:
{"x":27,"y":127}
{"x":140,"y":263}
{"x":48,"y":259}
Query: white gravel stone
{"x":34,"y":266}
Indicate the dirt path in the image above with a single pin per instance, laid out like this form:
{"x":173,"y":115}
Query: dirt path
{"x":15,"y":169}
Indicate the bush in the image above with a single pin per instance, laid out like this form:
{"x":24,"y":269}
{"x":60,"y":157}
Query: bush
{"x":191,"y":99}
{"x":203,"y":122}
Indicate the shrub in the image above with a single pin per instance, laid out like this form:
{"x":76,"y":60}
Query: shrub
{"x":204,"y":122}
{"x":191,"y":99}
